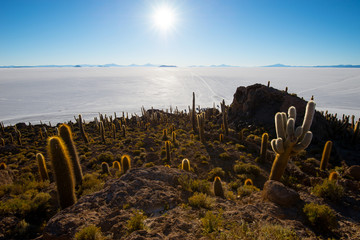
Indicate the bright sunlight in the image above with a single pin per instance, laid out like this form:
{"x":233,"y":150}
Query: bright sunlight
{"x":164,"y":18}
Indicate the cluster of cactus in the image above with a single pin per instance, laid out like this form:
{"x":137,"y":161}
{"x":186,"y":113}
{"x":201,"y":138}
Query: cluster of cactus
{"x":224,"y":117}
{"x":82,"y":130}
{"x":290,"y":141}
{"x":264,"y":146}
{"x":66,"y":135}
{"x":201,"y":126}
{"x":63,"y":172}
{"x":42,"y":167}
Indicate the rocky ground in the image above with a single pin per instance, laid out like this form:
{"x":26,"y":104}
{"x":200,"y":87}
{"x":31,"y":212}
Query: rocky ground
{"x":154,"y":201}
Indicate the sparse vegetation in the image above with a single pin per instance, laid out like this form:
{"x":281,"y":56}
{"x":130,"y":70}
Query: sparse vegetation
{"x":320,"y":215}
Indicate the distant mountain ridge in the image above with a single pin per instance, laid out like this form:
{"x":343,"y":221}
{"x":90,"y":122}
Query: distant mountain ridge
{"x":318,"y":66}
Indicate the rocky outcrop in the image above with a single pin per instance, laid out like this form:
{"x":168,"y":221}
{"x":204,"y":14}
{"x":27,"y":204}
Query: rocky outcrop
{"x":278,"y":193}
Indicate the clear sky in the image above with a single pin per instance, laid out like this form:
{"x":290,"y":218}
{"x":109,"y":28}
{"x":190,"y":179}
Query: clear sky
{"x":201,"y":32}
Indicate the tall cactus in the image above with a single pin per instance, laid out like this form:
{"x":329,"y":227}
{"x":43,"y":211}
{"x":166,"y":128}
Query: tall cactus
{"x":218,"y":188}
{"x":102,"y":132}
{"x":125,"y":163}
{"x":264,"y":146}
{"x":193,"y":114}
{"x":185,"y":165}
{"x":62,"y":169}
{"x":42,"y":167}
{"x":325,"y":155}
{"x":290,"y":141}
{"x":201,"y":126}
{"x":82,"y":130}
{"x":66,"y":135}
{"x":224,"y":117}
{"x":167,"y":148}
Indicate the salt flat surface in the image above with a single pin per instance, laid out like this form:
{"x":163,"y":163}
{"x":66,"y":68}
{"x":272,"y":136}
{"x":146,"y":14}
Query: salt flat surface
{"x":57,"y":94}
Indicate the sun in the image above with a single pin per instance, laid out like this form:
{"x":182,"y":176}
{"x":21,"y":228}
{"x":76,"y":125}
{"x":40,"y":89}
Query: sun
{"x":164,"y":18}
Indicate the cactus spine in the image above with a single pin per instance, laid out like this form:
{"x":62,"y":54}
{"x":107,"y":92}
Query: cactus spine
{"x":82,"y":130}
{"x":105,"y":168}
{"x":264,"y":145}
{"x":325,"y":155}
{"x":290,"y":141}
{"x":218,"y":189}
{"x":185,"y":165}
{"x":62,"y":169}
{"x":125,"y":163}
{"x":42,"y":167}
{"x":66,"y":135}
{"x":201,"y":126}
{"x":102,"y":132}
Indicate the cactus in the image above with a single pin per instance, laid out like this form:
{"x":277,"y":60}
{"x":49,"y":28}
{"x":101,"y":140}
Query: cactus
{"x":221,"y":137}
{"x":268,"y":84}
{"x":173,"y":137}
{"x":185,"y":165}
{"x":248,"y":182}
{"x":241,"y":134}
{"x":201,"y":126}
{"x":11,"y":138}
{"x":164,"y":135}
{"x":224,"y":117}
{"x":102,"y":132}
{"x":356,"y":132}
{"x":82,"y":130}
{"x":18,"y":137}
{"x":105,"y":168}
{"x":66,"y":135}
{"x":2,"y":127}
{"x":3,"y":166}
{"x":62,"y":170}
{"x":167,"y":165}
{"x":125,"y":163}
{"x":42,"y":167}
{"x":113,"y":127}
{"x":290,"y":141}
{"x":264,"y":146}
{"x":124,"y":130}
{"x":2,"y":141}
{"x":325,"y":155}
{"x":193,"y":114}
{"x":333,"y":176}
{"x":116,"y":165}
{"x":40,"y":134}
{"x":167,"y":148}
{"x":218,"y":188}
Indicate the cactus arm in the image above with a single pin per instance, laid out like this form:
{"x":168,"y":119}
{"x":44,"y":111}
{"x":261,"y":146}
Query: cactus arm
{"x":305,"y":142}
{"x":298,"y":132}
{"x":280,"y":145}
{"x":308,"y":118}
{"x":280,"y":132}
{"x":292,"y":112}
{"x":273,"y":146}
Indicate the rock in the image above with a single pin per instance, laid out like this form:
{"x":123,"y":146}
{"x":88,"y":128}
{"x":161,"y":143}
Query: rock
{"x":151,"y":190}
{"x":5,"y":177}
{"x":354,"y":172}
{"x":278,"y":193}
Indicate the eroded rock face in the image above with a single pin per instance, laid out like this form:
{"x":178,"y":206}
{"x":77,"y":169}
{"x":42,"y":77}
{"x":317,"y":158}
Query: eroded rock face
{"x":278,"y":193}
{"x":258,"y":104}
{"x":151,"y":190}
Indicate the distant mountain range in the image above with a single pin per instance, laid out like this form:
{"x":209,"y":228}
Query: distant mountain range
{"x":325,"y":66}
{"x":162,"y":65}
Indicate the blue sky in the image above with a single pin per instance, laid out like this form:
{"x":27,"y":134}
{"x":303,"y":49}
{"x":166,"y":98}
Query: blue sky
{"x":205,"y":32}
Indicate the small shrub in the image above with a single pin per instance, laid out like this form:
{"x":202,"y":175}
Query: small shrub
{"x":136,"y":222}
{"x":149,"y":164}
{"x":320,"y":215}
{"x":194,"y":185}
{"x":106,"y":157}
{"x":90,"y":184}
{"x":212,"y":222}
{"x":240,"y":147}
{"x":216,"y":172}
{"x":246,"y":168}
{"x":89,"y":233}
{"x":224,"y":156}
{"x":246,"y":190}
{"x":329,"y":189}
{"x":201,"y":200}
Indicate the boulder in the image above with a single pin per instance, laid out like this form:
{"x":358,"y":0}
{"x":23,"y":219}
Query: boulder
{"x":354,"y":172}
{"x":278,"y":193}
